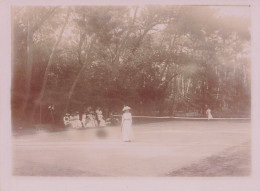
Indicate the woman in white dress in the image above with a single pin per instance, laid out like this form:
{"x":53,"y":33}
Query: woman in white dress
{"x":84,"y":119}
{"x":78,"y":122}
{"x":208,"y":112}
{"x":91,"y":121}
{"x":126,"y":125}
{"x":66,"y":119}
{"x":101,"y":121}
{"x":72,"y":121}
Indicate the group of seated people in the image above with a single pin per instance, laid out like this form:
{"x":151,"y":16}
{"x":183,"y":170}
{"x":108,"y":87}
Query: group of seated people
{"x":87,"y":120}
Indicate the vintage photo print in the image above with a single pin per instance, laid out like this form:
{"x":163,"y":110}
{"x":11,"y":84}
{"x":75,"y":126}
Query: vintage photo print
{"x":130,"y":96}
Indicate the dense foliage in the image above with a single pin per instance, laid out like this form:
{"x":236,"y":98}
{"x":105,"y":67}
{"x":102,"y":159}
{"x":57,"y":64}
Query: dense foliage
{"x":156,"y":59}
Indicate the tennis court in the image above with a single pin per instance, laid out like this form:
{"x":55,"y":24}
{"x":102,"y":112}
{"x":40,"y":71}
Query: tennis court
{"x":163,"y":148}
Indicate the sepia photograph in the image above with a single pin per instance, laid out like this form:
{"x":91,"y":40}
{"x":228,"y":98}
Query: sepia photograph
{"x":131,"y":91}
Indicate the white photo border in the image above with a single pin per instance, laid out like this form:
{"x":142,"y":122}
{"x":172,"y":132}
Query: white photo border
{"x":16,"y":183}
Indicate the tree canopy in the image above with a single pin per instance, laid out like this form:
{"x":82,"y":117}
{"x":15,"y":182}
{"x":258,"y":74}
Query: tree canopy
{"x":156,"y":59}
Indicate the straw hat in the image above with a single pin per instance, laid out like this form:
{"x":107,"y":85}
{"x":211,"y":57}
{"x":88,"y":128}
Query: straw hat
{"x":126,"y":108}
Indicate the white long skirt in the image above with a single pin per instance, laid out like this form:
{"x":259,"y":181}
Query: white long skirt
{"x":91,"y":122}
{"x":210,"y":116}
{"x":102,"y":122}
{"x":127,"y":131}
{"x":78,"y":123}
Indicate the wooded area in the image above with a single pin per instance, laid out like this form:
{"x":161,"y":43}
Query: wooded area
{"x":157,"y":59}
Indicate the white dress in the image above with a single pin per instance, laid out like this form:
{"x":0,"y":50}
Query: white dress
{"x":91,"y":122}
{"x":208,"y":112}
{"x":78,"y":122}
{"x":66,"y":120}
{"x":72,"y":122}
{"x":127,"y":131}
{"x":84,"y":120}
{"x":102,"y":122}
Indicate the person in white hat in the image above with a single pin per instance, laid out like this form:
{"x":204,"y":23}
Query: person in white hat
{"x":77,"y":119}
{"x":84,"y":119}
{"x":66,"y":119}
{"x":73,"y":120}
{"x":208,"y":112}
{"x":101,"y":121}
{"x":126,"y":125}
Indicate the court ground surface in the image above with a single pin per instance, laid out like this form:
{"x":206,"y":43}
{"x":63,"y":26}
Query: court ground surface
{"x":173,"y":148}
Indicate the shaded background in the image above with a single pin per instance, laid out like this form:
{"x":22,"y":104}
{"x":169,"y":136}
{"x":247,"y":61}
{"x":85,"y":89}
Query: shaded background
{"x":160,"y":60}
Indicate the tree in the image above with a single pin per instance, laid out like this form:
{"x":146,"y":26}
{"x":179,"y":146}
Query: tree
{"x":157,"y":59}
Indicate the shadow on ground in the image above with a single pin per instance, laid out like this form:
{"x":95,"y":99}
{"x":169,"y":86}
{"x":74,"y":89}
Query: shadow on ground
{"x":234,"y":161}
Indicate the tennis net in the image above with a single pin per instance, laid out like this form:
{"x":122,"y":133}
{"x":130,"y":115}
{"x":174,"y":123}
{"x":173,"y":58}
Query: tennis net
{"x":153,"y":119}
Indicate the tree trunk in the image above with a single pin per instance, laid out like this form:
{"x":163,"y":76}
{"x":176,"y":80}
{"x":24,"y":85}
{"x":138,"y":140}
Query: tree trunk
{"x":174,"y":92}
{"x":80,"y":73}
{"x":47,"y":70}
{"x":28,"y":75}
{"x":74,"y":86}
{"x":31,"y":29}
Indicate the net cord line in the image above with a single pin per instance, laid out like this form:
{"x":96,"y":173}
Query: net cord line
{"x":171,"y":117}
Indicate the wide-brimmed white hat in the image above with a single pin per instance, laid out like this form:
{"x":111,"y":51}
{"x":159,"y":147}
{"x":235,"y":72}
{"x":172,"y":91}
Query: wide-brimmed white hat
{"x":126,"y":108}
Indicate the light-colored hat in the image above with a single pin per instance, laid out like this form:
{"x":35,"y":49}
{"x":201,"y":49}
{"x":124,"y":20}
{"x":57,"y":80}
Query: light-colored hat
{"x":67,"y":114}
{"x":126,"y":108}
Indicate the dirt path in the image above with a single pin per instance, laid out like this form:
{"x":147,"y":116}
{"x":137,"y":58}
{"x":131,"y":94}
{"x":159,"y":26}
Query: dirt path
{"x":234,"y":161}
